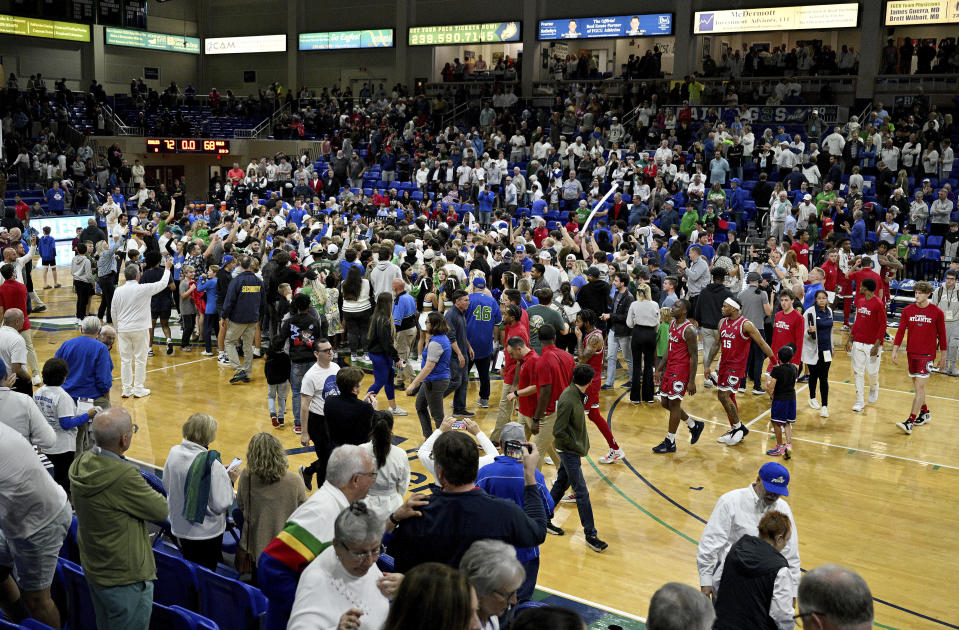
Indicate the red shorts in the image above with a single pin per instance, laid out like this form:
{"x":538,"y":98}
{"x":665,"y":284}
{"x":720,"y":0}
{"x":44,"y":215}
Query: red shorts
{"x":673,"y":385}
{"x":729,"y":380}
{"x":920,"y":365}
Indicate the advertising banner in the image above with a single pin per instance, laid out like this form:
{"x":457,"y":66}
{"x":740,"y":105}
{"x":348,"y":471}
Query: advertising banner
{"x":821,"y":16}
{"x":613,"y":26}
{"x":464,"y":34}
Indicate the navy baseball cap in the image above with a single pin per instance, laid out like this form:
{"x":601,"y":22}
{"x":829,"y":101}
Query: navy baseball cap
{"x":479,"y":283}
{"x":226,"y":260}
{"x":775,"y":478}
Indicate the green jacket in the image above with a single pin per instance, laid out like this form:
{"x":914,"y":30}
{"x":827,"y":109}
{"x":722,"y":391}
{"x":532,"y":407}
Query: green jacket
{"x":113,"y":504}
{"x":569,"y":429}
{"x":688,"y":222}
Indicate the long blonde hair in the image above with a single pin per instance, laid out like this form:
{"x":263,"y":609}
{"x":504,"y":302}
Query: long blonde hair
{"x":265,"y":458}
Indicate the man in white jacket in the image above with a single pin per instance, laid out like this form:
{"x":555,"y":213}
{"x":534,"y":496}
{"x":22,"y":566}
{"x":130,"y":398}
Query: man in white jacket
{"x":738,"y":513}
{"x":131,"y":315}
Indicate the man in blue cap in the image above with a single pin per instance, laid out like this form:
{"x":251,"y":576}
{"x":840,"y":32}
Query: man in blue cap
{"x":738,"y":513}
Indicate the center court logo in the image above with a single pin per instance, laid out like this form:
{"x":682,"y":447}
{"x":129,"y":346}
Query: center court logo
{"x":707,"y":21}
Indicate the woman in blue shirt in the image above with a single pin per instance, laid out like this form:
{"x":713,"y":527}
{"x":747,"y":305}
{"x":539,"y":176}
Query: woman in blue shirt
{"x":434,"y":376}
{"x":211,"y":320}
{"x":817,"y":351}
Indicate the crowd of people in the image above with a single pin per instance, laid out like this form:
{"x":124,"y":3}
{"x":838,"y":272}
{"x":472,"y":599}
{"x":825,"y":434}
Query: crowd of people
{"x":537,"y":244}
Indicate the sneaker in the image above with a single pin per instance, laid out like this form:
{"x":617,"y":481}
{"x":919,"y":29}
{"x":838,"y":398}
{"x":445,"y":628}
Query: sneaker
{"x":906,"y":427}
{"x":757,"y":392}
{"x":921,"y":419}
{"x":709,"y":383}
{"x":607,"y":386}
{"x":399,"y":411}
{"x":613,"y":456}
{"x":552,"y":529}
{"x":658,"y":397}
{"x":464,"y":413}
{"x":141,"y":393}
{"x":859,"y":406}
{"x":803,"y":379}
{"x":307,"y":477}
{"x":873,"y":394}
{"x":239,"y":376}
{"x":40,"y":308}
{"x":548,"y":461}
{"x":169,"y":348}
{"x":246,"y":378}
{"x":47,"y":286}
{"x":845,"y":328}
{"x":257,"y":353}
{"x":665,"y":447}
{"x":725,"y":437}
{"x":596,"y":544}
{"x":206,"y":354}
{"x":569,"y":498}
{"x":788,"y":453}
{"x":775,"y":452}
{"x":814,"y":403}
{"x":150,"y":354}
{"x":297,"y":429}
{"x":482,"y":403}
{"x":223,"y":359}
{"x":274,"y":422}
{"x":627,"y":384}
{"x":695,"y":431}
{"x":127,"y":393}
{"x":636,"y":402}
{"x":734,"y":436}
{"x":186,"y":348}
{"x":824,"y":412}
{"x":57,"y":286}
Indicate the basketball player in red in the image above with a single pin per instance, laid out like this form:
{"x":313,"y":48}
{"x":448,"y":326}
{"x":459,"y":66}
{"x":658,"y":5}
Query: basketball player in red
{"x":590,"y":345}
{"x":788,"y":327}
{"x":926,"y":325}
{"x":865,"y":341}
{"x":735,"y":333}
{"x":676,"y":374}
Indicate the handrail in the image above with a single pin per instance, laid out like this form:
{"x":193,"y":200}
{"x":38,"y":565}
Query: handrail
{"x":453,"y":114}
{"x":263,"y":127}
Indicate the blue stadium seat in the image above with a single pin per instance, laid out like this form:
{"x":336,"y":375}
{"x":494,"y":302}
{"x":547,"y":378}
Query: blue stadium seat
{"x":202,"y":623}
{"x":79,"y":603}
{"x":164,"y":618}
{"x":933,"y":242}
{"x":8,"y":625}
{"x":230,"y":603}
{"x":176,"y":582}
{"x":70,"y":551}
{"x":33,"y":624}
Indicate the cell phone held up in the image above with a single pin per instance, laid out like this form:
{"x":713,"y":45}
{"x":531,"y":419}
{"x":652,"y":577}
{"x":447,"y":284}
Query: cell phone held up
{"x":513,"y":448}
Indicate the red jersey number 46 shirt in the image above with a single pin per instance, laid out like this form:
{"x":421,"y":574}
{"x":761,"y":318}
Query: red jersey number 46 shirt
{"x":927,"y":333}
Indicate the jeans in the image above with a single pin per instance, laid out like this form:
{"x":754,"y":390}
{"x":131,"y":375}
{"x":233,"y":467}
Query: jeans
{"x":383,"y":375}
{"x":211,"y":328}
{"x":710,"y":339}
{"x":356,"y":326}
{"x":429,"y":402}
{"x":458,"y":383}
{"x":482,"y":368}
{"x":276,"y":399}
{"x":525,"y":591}
{"x":108,"y":284}
{"x":570,"y":473}
{"x":188,"y":326}
{"x":84,"y":293}
{"x":484,"y":218}
{"x":320,"y":436}
{"x":297,"y":372}
{"x":133,"y":346}
{"x":644,"y":351}
{"x":242,"y":333}
{"x":617,"y":343}
{"x":754,"y":364}
{"x":123,"y":607}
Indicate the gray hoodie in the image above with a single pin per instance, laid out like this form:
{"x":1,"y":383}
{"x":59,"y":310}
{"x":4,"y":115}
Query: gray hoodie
{"x":382,"y":276}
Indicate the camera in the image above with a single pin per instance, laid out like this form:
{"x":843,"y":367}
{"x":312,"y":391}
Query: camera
{"x":761,"y":254}
{"x":513,"y":448}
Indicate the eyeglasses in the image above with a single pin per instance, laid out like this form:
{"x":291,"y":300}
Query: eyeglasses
{"x":507,"y":597}
{"x":799,"y":618}
{"x":371,"y":475}
{"x":330,"y":349}
{"x":360,"y":556}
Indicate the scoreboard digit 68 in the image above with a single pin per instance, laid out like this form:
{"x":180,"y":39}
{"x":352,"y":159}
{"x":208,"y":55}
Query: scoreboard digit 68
{"x":188,"y":145}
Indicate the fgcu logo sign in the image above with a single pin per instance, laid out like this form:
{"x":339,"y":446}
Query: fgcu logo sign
{"x":253,"y":44}
{"x":214,"y":46}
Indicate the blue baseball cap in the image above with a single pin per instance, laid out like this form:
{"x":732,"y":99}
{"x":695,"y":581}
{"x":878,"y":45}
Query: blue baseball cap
{"x":775,"y":478}
{"x":735,"y":179}
{"x":479,"y":283}
{"x":226,"y":260}
{"x":520,"y":248}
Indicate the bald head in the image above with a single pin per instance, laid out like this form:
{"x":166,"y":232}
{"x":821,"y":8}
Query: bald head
{"x":113,"y":429}
{"x":9,"y":254}
{"x":838,"y":596}
{"x":398,"y":286}
{"x":13,"y":317}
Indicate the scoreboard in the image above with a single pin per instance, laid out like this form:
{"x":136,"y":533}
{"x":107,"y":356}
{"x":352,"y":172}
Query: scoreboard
{"x":188,"y":145}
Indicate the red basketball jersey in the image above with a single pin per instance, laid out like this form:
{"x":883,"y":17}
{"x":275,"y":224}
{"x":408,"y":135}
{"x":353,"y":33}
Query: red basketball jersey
{"x":677,"y":357}
{"x":735,"y":345}
{"x":596,"y":361}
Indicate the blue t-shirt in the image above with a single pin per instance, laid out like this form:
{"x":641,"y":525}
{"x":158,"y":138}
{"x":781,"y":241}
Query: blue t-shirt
{"x":54,"y":198}
{"x":810,"y":298}
{"x":48,"y":248}
{"x":482,"y":317}
{"x":296,"y":216}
